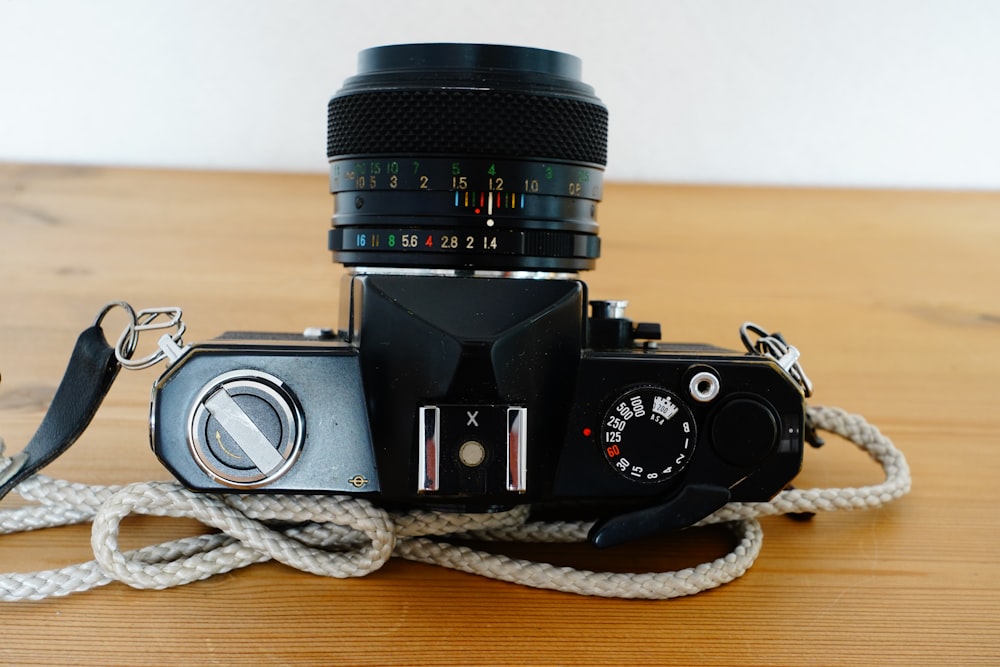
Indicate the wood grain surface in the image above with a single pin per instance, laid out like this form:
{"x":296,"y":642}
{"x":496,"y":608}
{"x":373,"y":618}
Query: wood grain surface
{"x":892,"y":297}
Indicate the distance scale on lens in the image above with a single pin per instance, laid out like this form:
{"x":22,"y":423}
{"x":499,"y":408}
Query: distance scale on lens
{"x":506,"y":180}
{"x":648,"y":435}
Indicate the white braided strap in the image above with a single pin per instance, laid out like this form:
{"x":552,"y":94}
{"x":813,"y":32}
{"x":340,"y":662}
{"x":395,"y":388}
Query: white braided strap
{"x":637,"y":585}
{"x":77,"y":578}
{"x":60,"y":503}
{"x":249,"y":540}
{"x":346,"y":537}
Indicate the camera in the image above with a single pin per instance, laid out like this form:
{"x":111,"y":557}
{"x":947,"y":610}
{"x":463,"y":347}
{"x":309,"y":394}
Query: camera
{"x":470,"y":371}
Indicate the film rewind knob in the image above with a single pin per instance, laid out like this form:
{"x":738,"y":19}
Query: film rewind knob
{"x":245,"y":429}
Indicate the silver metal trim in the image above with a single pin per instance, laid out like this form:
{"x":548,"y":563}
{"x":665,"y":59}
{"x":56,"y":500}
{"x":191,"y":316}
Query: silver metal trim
{"x":704,"y":386}
{"x":461,"y":273}
{"x":429,"y":449}
{"x":517,"y":449}
{"x":776,"y":348}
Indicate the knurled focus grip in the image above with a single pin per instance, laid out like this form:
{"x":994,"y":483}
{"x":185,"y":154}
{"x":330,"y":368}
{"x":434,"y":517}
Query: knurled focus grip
{"x":498,"y":123}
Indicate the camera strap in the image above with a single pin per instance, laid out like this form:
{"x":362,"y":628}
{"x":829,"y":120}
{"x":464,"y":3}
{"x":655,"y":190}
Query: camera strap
{"x":340,"y":536}
{"x":91,"y":371}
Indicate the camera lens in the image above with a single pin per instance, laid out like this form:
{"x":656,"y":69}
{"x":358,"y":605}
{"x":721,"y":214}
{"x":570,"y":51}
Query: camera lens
{"x":466,"y":157}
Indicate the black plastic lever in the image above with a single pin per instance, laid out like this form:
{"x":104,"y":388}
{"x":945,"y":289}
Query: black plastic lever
{"x":692,"y":504}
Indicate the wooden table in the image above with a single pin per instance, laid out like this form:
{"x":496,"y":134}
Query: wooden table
{"x":893,"y":298}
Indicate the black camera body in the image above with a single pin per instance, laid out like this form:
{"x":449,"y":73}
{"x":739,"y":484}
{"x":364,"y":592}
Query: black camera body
{"x":439,"y":397}
{"x":467,"y":373}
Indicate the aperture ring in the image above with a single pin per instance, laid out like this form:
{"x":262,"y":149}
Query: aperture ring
{"x":495,"y":248}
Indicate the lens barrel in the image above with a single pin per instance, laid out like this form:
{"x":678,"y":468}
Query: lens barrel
{"x":466,"y":157}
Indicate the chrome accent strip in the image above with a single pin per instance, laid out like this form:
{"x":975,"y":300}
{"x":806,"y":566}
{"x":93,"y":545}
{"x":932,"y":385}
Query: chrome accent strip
{"x":517,"y":449}
{"x":461,"y":273}
{"x":429,"y":449}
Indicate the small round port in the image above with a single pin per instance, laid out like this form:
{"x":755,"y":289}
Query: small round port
{"x":704,"y":386}
{"x":471,"y":453}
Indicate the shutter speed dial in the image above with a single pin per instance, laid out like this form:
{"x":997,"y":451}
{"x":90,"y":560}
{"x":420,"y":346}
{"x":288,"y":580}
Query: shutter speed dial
{"x":648,"y":435}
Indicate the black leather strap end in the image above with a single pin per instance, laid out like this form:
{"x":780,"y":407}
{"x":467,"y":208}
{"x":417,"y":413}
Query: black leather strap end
{"x":91,"y":371}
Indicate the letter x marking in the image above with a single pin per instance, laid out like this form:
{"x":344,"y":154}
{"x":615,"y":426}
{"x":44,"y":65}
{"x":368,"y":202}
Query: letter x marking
{"x":472,"y":418}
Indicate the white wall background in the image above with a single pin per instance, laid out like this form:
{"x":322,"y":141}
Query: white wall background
{"x":870,"y":93}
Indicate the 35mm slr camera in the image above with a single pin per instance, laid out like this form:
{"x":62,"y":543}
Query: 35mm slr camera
{"x":468,"y":372}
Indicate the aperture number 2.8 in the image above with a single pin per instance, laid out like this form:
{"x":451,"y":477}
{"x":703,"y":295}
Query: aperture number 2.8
{"x":453,"y":242}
